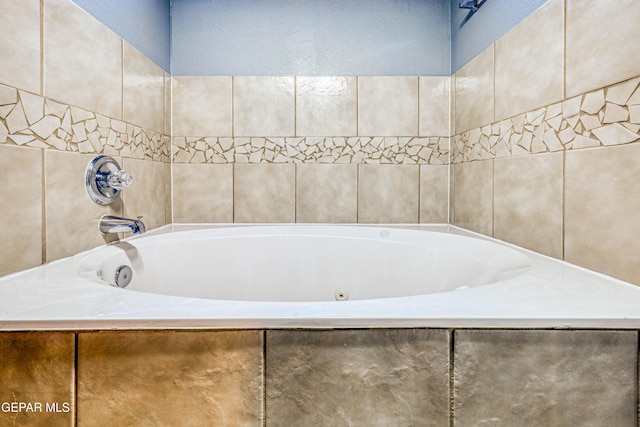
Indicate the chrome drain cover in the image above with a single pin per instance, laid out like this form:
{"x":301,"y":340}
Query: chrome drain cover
{"x":123,"y":276}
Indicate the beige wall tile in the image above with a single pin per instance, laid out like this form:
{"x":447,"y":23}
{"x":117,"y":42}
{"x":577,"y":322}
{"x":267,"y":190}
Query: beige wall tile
{"x":473,"y":193}
{"x":601,"y":215}
{"x":167,"y":104}
{"x":527,"y":207}
{"x":602,"y":46}
{"x":170,"y":378}
{"x":264,"y":193}
{"x":359,"y":377}
{"x":71,"y":216}
{"x":474,"y":92}
{"x":202,"y":193}
{"x":38,"y":367}
{"x":21,"y":212}
{"x":82,"y":60}
{"x":168,"y":194}
{"x":326,"y":106}
{"x":264,"y":106}
{"x":435,"y":95}
{"x":388,"y":193}
{"x":434,"y":194}
{"x":143,"y":90}
{"x":202,"y":106}
{"x":545,"y":378}
{"x":529,"y":70}
{"x":20,"y":44}
{"x":387,"y":106}
{"x":327,"y":193}
{"x":146,"y":197}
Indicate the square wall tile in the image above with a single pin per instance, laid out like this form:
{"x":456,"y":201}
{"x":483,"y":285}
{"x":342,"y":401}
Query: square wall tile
{"x":387,"y":106}
{"x":20,"y":44}
{"x":545,"y":378}
{"x":202,"y":193}
{"x":264,"y":192}
{"x":264,"y":106}
{"x":388,"y":193}
{"x":529,"y":70}
{"x":527,"y":202}
{"x":434,"y":194}
{"x":202,"y":106}
{"x":170,"y":378}
{"x":602,"y":199}
{"x":602,"y":43}
{"x":82,"y":60}
{"x":326,"y":106}
{"x":474,"y":92}
{"x":326,"y":193}
{"x":358,"y":377}
{"x":146,"y":197}
{"x":71,"y":216}
{"x":21,"y":212}
{"x":473,"y":196}
{"x":38,"y":367}
{"x":435,"y":97}
{"x":143,"y":90}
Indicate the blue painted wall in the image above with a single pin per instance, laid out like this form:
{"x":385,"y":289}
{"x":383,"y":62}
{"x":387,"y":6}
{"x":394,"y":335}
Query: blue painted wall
{"x":145,"y":24}
{"x":471,"y":33}
{"x":310,"y":37}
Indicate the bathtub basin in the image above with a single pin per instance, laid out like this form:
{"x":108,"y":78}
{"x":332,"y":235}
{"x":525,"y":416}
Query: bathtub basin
{"x":314,"y":276}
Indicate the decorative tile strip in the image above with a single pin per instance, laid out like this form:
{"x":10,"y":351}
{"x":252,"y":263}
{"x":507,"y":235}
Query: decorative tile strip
{"x":359,"y":149}
{"x":33,"y":121}
{"x":608,"y":116}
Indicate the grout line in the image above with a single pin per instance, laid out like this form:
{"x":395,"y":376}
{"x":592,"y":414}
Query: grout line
{"x":295,"y":106}
{"x":233,"y":107}
{"x":122,"y":79}
{"x":452,"y":345}
{"x":42,"y":48}
{"x":564,"y":50}
{"x":43,"y":199}
{"x":493,"y":179}
{"x":358,"y":106}
{"x":264,"y":378}
{"x":564,"y":202}
{"x":358,"y":193}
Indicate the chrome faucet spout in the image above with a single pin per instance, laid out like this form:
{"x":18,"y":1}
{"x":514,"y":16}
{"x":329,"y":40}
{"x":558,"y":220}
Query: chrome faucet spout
{"x":109,"y":224}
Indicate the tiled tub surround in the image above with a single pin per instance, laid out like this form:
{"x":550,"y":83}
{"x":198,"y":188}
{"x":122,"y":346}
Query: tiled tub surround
{"x":380,"y":377}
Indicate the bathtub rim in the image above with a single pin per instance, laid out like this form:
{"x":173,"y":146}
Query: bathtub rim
{"x":61,"y":310}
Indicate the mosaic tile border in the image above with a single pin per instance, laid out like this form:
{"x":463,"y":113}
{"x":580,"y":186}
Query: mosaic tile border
{"x":34,"y":121}
{"x":339,"y":150}
{"x":603,"y":117}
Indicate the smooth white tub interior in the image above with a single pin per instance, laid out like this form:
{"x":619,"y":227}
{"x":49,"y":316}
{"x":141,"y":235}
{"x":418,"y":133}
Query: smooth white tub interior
{"x":306,"y":263}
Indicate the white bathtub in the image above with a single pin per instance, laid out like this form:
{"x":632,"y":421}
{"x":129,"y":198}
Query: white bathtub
{"x":307,"y":276}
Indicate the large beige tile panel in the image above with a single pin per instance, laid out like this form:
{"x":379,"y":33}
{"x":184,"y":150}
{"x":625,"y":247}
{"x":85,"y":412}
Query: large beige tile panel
{"x":326,"y":193}
{"x":602,"y":199}
{"x":37,"y":367}
{"x":529,"y":70}
{"x":602,"y":43}
{"x":527,"y":202}
{"x":264,"y":106}
{"x":20,"y":44}
{"x":170,"y":378}
{"x":71,"y":216}
{"x":473,"y":194}
{"x":435,"y":99}
{"x":474,"y":102}
{"x":146,"y":197}
{"x":326,"y":106}
{"x":143,"y":89}
{"x":387,"y":106}
{"x":82,"y":60}
{"x":388,"y":193}
{"x":21,"y":212}
{"x":545,"y":378}
{"x":434,"y":194}
{"x":202,"y":193}
{"x":202,"y":106}
{"x":264,"y":193}
{"x":374,"y":378}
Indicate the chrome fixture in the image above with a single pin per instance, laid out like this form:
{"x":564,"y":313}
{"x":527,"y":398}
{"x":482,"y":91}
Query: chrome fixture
{"x":123,"y":276}
{"x":110,"y":224}
{"x":104,"y":180}
{"x":471,"y":4}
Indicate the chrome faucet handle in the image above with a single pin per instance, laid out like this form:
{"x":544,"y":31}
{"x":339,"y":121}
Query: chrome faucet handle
{"x":104,"y":180}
